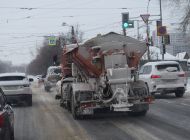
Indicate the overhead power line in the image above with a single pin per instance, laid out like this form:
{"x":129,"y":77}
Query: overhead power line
{"x":69,"y":8}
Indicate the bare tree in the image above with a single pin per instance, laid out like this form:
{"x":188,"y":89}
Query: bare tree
{"x":46,"y":53}
{"x":183,"y":4}
{"x":6,"y":66}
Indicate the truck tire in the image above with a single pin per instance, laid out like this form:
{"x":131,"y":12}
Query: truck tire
{"x":75,"y":115}
{"x":61,"y":103}
{"x":47,"y":89}
{"x":179,"y":93}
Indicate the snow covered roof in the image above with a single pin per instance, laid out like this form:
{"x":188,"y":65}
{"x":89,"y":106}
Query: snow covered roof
{"x":161,"y":62}
{"x":156,"y":55}
{"x":113,"y":40}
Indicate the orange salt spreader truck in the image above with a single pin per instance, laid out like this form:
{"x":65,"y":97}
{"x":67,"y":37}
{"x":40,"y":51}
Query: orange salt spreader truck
{"x":102,"y":73}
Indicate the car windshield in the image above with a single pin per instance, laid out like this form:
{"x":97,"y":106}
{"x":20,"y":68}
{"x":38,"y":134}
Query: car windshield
{"x":165,"y":66}
{"x":12,"y":78}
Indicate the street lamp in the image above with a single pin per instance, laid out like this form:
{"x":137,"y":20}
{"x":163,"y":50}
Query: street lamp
{"x":73,"y":39}
{"x":148,"y":33}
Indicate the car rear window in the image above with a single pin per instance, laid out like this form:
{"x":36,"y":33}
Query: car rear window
{"x":11,"y":78}
{"x":165,"y":66}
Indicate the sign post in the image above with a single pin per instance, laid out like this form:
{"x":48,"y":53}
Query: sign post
{"x":145,"y":18}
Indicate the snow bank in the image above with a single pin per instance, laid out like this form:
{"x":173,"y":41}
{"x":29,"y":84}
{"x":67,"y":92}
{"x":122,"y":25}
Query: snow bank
{"x":156,"y":55}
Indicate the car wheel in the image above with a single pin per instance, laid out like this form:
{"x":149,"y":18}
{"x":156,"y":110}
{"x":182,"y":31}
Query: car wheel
{"x":12,"y":135}
{"x":7,"y":135}
{"x":30,"y":101}
{"x":179,"y":93}
{"x":47,"y":89}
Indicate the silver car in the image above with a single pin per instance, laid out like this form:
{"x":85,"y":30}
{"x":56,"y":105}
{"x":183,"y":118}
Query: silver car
{"x":16,"y":87}
{"x":52,"y":77}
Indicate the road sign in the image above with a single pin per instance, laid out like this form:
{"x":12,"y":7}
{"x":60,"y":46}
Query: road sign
{"x":167,"y":39}
{"x":145,"y":17}
{"x":161,"y":31}
{"x":52,"y":41}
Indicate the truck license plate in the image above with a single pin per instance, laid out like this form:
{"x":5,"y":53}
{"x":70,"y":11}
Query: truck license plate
{"x":88,"y":111}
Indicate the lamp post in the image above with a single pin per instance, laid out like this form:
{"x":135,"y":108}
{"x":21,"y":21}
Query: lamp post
{"x":73,"y":39}
{"x":148,"y":33}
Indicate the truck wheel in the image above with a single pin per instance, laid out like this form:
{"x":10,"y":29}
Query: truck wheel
{"x":47,"y":89}
{"x":75,"y":115}
{"x":62,"y":103}
{"x":179,"y":93}
{"x":136,"y":114}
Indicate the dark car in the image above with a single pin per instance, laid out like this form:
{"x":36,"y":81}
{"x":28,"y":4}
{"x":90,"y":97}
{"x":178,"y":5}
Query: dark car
{"x":6,"y":119}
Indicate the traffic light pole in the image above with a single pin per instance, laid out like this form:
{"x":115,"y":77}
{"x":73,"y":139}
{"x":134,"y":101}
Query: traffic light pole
{"x":124,"y":32}
{"x":147,"y":41}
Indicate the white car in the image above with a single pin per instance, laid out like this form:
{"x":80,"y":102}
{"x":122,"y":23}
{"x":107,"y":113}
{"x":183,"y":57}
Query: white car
{"x":16,"y":87}
{"x":52,"y":77}
{"x":164,"y":77}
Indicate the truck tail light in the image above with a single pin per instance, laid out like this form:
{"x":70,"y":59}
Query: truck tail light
{"x":149,"y":99}
{"x":182,"y":75}
{"x":1,"y":120}
{"x":155,"y":76}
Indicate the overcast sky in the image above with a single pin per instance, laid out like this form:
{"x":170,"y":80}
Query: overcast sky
{"x":22,"y":30}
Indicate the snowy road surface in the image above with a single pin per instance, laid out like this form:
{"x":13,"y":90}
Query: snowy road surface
{"x":168,"y":119}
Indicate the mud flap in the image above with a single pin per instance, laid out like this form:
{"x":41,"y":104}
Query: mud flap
{"x":140,"y":107}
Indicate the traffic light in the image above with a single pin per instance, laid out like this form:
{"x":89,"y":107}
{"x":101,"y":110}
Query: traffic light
{"x":167,"y":39}
{"x":125,"y":19}
{"x":126,"y":23}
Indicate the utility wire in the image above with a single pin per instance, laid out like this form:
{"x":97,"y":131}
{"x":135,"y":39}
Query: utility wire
{"x":70,"y":8}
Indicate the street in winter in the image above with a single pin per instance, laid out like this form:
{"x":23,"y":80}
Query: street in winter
{"x":95,"y":70}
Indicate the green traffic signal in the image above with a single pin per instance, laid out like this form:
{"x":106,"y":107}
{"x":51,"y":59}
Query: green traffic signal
{"x":125,"y":25}
{"x":128,"y":24}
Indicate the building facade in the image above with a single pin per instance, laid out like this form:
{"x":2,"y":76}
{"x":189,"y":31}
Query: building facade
{"x":179,"y":42}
